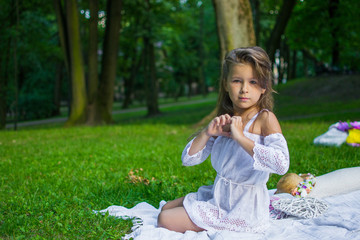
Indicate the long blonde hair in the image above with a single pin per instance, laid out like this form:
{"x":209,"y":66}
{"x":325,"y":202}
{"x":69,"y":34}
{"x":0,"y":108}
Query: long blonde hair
{"x":261,"y":64}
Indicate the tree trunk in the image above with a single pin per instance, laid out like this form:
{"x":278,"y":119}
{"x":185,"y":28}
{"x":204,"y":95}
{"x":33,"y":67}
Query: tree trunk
{"x":105,"y":96}
{"x":93,"y":73}
{"x":9,"y":46}
{"x":333,"y":8}
{"x":235,"y":29}
{"x":305,"y":63}
{"x":4,"y":78}
{"x":3,"y":86}
{"x":149,"y":67}
{"x":57,"y":89}
{"x":280,"y":25}
{"x":129,"y":81}
{"x":77,"y":74}
{"x":150,"y":78}
{"x":293,"y":65}
{"x":284,"y":59}
{"x":135,"y":66}
{"x":16,"y":65}
{"x":256,"y":17}
{"x":287,"y":59}
{"x":234,"y":24}
{"x":63,"y":34}
{"x":202,"y":83}
{"x":63,"y":39}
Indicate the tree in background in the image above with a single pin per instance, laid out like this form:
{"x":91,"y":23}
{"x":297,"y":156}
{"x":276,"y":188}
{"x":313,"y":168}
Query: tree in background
{"x":37,"y":54}
{"x":5,"y":43}
{"x":279,"y":28}
{"x":334,"y":29}
{"x":69,"y":31}
{"x":235,"y":29}
{"x":310,"y":32}
{"x":101,"y":92}
{"x":181,"y":54}
{"x":185,"y":62}
{"x":130,"y":45}
{"x":150,"y":81}
{"x":105,"y":94}
{"x":162,"y":42}
{"x":234,"y":24}
{"x":93,"y":69}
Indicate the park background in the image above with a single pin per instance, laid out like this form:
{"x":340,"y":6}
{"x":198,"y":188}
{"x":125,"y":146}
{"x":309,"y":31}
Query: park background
{"x":96,"y":108}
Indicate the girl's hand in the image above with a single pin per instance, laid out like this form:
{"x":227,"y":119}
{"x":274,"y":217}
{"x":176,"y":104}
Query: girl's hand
{"x":217,"y":127}
{"x":237,"y":133}
{"x":236,"y":128}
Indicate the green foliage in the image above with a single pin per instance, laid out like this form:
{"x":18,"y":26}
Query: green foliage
{"x":310,"y":28}
{"x":268,"y":11}
{"x":35,"y":105}
{"x":175,"y":28}
{"x":38,"y":54}
{"x":51,"y":179}
{"x":176,"y":31}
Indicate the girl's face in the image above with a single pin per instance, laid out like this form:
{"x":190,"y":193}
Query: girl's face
{"x":243,"y":88}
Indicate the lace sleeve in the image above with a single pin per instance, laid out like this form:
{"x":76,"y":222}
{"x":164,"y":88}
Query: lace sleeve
{"x":198,"y":157}
{"x":273,"y":156}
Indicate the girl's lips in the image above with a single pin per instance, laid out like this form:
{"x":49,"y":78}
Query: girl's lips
{"x":243,"y":98}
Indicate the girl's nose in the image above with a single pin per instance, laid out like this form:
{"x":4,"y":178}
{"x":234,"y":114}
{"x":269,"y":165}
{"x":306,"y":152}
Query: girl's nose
{"x":243,"y":88}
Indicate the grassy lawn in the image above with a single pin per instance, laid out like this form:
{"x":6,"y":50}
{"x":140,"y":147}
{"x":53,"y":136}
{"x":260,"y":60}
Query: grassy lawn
{"x":53,"y":177}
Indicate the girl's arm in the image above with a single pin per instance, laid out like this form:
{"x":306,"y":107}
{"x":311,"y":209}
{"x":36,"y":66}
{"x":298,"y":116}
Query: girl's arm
{"x":199,"y":142}
{"x":273,"y":155}
{"x":200,"y":147}
{"x":215,"y":128}
{"x":191,"y":159}
{"x":268,"y":125}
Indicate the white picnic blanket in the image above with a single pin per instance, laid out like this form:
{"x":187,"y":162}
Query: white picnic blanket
{"x":340,"y":221}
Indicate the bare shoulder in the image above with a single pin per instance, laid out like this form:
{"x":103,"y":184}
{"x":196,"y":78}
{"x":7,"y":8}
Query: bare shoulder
{"x":269,"y":123}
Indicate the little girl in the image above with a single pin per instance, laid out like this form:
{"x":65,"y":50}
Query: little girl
{"x":246,"y":145}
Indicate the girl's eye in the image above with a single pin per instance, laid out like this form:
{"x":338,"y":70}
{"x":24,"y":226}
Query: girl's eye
{"x":236,"y":80}
{"x":253,"y":82}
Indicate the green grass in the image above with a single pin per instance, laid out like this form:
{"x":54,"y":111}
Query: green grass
{"x":330,"y":98}
{"x":53,"y":177}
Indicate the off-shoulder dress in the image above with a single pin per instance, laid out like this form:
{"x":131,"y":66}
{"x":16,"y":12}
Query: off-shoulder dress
{"x":238,"y":200}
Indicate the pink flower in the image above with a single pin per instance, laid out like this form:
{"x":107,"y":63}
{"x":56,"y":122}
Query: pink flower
{"x":355,"y":125}
{"x":343,"y":126}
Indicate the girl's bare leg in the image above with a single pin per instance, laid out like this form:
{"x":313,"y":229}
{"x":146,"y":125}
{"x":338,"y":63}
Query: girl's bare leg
{"x":174,"y":203}
{"x":177,"y":219}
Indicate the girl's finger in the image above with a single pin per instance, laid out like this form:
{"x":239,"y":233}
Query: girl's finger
{"x":227,"y":117}
{"x":216,"y":121}
{"x":238,"y":119}
{"x":223,"y":120}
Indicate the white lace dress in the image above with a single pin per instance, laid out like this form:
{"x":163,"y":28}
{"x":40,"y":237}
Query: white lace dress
{"x":238,"y":200}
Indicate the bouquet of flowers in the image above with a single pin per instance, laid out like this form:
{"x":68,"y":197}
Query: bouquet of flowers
{"x":353,"y":128}
{"x":304,"y":187}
